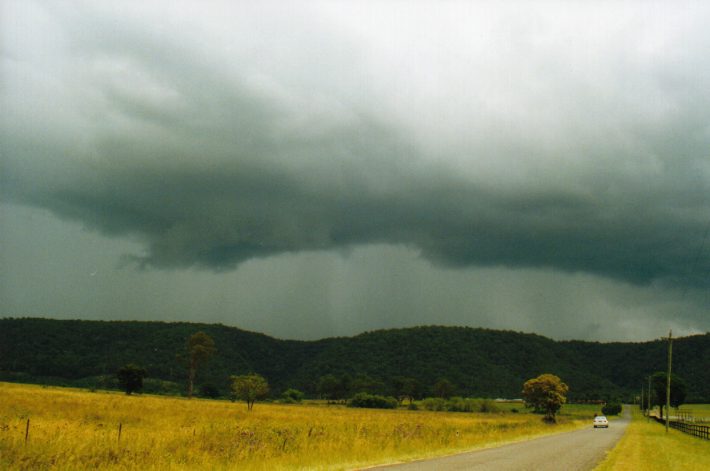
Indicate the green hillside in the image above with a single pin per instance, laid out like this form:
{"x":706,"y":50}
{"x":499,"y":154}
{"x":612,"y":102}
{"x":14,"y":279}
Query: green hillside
{"x":480,"y":362}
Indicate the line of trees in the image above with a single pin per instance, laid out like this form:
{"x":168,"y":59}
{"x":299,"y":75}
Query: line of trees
{"x":481,"y":363}
{"x":337,"y":389}
{"x":200,"y":348}
{"x":545,"y":394}
{"x":252,"y":387}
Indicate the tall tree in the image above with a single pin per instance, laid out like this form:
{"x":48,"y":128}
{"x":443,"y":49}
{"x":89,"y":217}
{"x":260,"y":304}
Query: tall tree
{"x":444,"y":388}
{"x":130,"y":377}
{"x":200,"y":347}
{"x":658,"y":387}
{"x":335,"y":388}
{"x":249,"y":388}
{"x":405,"y":388}
{"x":365,"y":383}
{"x":546,"y":394}
{"x":329,"y":387}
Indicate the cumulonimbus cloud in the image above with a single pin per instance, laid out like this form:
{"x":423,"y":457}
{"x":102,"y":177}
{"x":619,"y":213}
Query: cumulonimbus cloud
{"x":212,"y":158}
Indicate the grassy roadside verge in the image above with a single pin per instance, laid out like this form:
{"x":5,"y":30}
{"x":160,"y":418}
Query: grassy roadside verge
{"x":646,"y":446}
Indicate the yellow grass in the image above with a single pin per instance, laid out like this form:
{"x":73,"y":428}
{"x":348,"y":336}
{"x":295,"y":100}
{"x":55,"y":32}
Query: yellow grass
{"x":646,"y":446}
{"x":72,"y":429}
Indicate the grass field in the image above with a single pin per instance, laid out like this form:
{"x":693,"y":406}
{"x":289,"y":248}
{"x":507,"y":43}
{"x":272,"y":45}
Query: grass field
{"x":73,"y":429}
{"x":646,"y":446}
{"x":699,"y":411}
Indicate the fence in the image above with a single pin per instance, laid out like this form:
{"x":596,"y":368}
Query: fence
{"x":700,"y":431}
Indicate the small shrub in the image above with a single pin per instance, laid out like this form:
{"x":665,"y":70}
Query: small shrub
{"x":292,"y":396}
{"x":372,"y":401}
{"x":487,"y":405}
{"x":434,"y":404}
{"x":209,"y":391}
{"x":459,"y":404}
{"x":157,"y":386}
{"x":412,"y":406}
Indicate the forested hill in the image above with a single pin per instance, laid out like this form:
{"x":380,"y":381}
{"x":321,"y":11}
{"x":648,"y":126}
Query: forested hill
{"x":480,"y":362}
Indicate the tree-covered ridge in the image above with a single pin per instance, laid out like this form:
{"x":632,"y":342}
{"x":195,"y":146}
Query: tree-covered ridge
{"x":479,"y":362}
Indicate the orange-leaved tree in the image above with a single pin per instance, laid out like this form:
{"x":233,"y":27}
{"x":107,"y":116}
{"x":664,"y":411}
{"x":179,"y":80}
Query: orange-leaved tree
{"x":545,"y":394}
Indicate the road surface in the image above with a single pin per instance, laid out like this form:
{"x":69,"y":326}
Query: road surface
{"x":570,"y":451}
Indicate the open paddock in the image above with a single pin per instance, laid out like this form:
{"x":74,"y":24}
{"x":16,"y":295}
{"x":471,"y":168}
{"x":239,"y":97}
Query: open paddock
{"x":74,"y":429}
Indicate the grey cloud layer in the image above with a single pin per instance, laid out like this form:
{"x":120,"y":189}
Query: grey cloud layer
{"x":211,"y":158}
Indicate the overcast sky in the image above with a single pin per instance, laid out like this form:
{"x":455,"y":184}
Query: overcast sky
{"x":310,"y":169}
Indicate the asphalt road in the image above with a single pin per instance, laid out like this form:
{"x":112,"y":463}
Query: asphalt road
{"x":570,"y":451}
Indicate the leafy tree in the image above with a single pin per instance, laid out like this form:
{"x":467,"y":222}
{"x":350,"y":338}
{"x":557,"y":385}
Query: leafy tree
{"x":659,"y":383}
{"x":333,"y":388}
{"x":345,"y":385}
{"x":130,"y":377}
{"x":200,"y":347}
{"x":611,"y":408}
{"x":249,"y":388}
{"x":292,"y":396}
{"x":328,"y":387}
{"x":444,"y":388}
{"x":545,"y":394}
{"x":405,"y":388}
{"x":366,"y":383}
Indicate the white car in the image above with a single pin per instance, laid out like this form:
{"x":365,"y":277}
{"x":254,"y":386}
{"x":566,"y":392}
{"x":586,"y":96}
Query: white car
{"x":600,"y":421}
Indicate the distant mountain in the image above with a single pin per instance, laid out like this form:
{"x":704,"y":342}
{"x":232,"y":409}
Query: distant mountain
{"x":480,"y":362}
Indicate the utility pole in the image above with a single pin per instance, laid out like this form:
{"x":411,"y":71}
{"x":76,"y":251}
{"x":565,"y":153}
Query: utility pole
{"x":668,"y":382}
{"x":648,"y":413}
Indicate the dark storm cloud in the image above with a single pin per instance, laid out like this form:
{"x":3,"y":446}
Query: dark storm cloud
{"x":212,"y":155}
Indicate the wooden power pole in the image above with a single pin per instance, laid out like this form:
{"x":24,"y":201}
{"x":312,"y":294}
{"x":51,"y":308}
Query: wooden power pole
{"x":668,"y":382}
{"x":648,"y":411}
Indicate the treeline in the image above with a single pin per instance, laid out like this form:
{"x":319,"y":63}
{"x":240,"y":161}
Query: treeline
{"x":475,"y":362}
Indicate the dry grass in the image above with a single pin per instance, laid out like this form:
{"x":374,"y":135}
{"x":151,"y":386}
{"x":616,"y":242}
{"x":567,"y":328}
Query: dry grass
{"x":72,"y":429}
{"x":646,"y":446}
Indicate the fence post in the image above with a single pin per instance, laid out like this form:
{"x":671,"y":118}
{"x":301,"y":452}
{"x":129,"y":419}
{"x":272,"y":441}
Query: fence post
{"x":27,"y":430}
{"x":668,"y":380}
{"x":120,"y":426}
